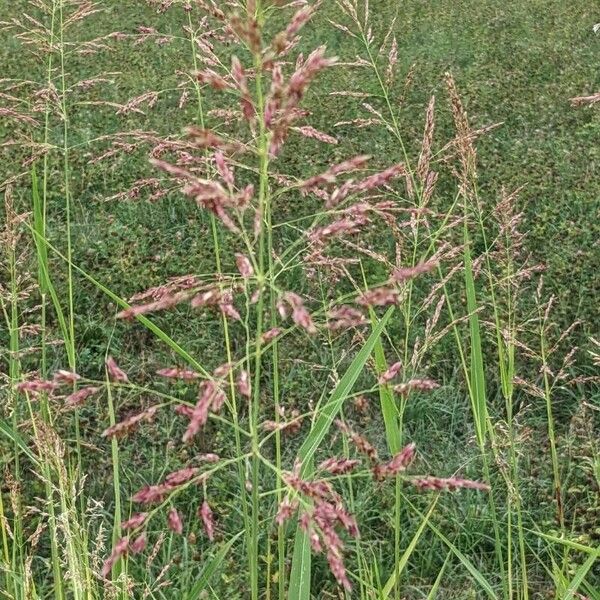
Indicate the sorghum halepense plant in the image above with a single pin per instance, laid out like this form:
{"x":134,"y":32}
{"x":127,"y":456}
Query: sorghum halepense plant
{"x":237,"y":181}
{"x":335,"y":274}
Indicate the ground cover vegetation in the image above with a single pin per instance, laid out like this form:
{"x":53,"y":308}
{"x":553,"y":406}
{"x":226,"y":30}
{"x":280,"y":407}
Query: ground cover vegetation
{"x":299,"y":300}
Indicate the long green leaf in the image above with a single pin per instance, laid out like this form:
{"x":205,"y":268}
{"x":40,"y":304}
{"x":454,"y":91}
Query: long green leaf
{"x":398,"y":568}
{"x":38,"y":224}
{"x":299,"y":586}
{"x":16,"y":438}
{"x":210,"y":568}
{"x":328,"y":412}
{"x":569,"y":588}
{"x":477,"y":375}
{"x":438,"y":580}
{"x":579,"y":576}
{"x":565,"y":542}
{"x":389,"y":410}
{"x":473,"y":570}
{"x":46,"y":285}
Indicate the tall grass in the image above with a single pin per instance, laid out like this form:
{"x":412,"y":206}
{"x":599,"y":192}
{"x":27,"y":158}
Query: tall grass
{"x":329,"y":286}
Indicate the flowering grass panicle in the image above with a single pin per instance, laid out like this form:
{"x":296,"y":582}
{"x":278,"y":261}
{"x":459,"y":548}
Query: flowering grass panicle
{"x":288,"y":326}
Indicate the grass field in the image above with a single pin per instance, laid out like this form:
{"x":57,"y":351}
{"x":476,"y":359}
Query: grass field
{"x":482,"y":354}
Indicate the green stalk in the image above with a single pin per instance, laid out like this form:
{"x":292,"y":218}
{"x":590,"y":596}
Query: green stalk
{"x":233,"y":396}
{"x":393,"y":422}
{"x":46,"y":286}
{"x":275,"y":357}
{"x":5,"y":549}
{"x":360,"y":559}
{"x":300,"y":577}
{"x":477,"y":399}
{"x":477,"y":391}
{"x":394,"y":432}
{"x":506,"y":360}
{"x":40,"y":208}
{"x":70,"y":343}
{"x":263,"y":204}
{"x":551,"y":431}
{"x":278,"y":462}
{"x":114,"y":447}
{"x":73,"y":553}
{"x":86,"y":574}
{"x":14,"y":373}
{"x":264,"y":243}
{"x":225,"y":322}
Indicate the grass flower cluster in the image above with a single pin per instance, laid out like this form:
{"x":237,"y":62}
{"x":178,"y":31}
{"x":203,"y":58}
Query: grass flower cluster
{"x":355,"y":390}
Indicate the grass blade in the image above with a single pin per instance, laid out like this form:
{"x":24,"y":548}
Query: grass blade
{"x":389,"y":411}
{"x":41,"y":246}
{"x":328,"y":412}
{"x":15,"y":438}
{"x":399,"y":567}
{"x":209,"y":569}
{"x":477,"y":373}
{"x":565,"y":542}
{"x":477,"y":575}
{"x":438,"y":580}
{"x":299,"y":586}
{"x":579,"y":576}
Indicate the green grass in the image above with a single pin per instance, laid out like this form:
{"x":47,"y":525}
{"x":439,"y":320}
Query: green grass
{"x":516,"y":64}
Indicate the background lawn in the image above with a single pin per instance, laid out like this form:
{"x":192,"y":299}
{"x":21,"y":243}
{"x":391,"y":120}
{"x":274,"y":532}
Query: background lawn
{"x":517,"y":64}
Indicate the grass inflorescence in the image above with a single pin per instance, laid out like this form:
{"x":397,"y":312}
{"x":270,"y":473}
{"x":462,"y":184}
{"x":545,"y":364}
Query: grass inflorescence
{"x":272,"y":327}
